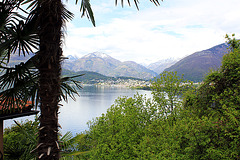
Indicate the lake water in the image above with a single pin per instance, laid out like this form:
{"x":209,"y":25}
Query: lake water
{"x":93,"y":101}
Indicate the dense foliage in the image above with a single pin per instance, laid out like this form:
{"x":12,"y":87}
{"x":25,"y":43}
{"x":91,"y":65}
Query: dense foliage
{"x":20,"y":140}
{"x":205,"y":125}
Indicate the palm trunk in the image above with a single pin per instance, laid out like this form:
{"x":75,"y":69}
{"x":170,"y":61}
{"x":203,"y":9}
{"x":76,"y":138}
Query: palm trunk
{"x":1,"y":139}
{"x":50,"y":25}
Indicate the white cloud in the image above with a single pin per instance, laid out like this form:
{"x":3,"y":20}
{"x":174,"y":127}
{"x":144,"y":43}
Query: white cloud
{"x":175,"y":29}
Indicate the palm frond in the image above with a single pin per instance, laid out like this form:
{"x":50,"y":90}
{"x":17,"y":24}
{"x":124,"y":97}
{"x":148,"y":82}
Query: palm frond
{"x":32,"y":4}
{"x":156,"y":2}
{"x":68,"y":145}
{"x":87,"y":10}
{"x":19,"y":84}
{"x":18,"y":33}
{"x":136,"y":2}
{"x":70,"y":87}
{"x":6,"y":12}
{"x":3,"y":59}
{"x":18,"y":75}
{"x":31,"y":137}
{"x":67,"y":15}
{"x":21,"y":38}
{"x":13,"y":99}
{"x":20,"y":140}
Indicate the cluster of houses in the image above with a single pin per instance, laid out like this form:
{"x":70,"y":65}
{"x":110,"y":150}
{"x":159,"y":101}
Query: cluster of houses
{"x":131,"y":83}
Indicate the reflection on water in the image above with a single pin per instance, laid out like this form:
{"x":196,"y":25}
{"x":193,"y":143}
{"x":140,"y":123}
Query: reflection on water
{"x":93,"y":101}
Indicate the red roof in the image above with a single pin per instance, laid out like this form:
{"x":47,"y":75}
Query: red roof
{"x":16,"y":109}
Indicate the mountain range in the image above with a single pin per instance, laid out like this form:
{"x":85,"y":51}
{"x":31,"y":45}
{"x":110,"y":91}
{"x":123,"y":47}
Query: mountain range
{"x":194,"y":66}
{"x":106,"y":65}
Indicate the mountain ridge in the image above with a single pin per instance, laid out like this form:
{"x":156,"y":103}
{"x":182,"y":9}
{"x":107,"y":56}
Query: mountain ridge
{"x":195,"y":66}
{"x":106,"y":65}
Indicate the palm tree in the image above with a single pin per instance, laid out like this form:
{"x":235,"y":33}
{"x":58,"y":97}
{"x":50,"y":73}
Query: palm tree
{"x":22,"y":80}
{"x":18,"y":36}
{"x":47,"y":16}
{"x":51,"y":23}
{"x":50,"y":31}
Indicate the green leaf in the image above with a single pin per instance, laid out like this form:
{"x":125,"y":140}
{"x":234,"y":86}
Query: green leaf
{"x":87,"y":10}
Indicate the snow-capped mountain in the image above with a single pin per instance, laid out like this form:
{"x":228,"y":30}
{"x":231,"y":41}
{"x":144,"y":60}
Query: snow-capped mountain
{"x":160,"y":65}
{"x":71,"y":57}
{"x":96,"y":54}
{"x":106,"y":65}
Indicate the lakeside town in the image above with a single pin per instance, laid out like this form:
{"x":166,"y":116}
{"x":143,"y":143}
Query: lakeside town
{"x":129,"y":83}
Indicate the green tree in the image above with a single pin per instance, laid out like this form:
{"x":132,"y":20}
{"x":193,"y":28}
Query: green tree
{"x":216,"y":102}
{"x":140,"y":128}
{"x":118,"y":133}
{"x":167,"y":91}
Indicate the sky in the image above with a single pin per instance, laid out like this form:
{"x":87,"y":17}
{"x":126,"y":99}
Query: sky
{"x":174,"y":29}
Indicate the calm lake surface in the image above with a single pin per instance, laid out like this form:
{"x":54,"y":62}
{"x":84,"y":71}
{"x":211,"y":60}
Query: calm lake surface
{"x":92,"y":103}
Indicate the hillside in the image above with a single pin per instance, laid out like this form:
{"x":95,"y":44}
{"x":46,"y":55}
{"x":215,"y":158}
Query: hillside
{"x":89,"y":77}
{"x":198,"y":64}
